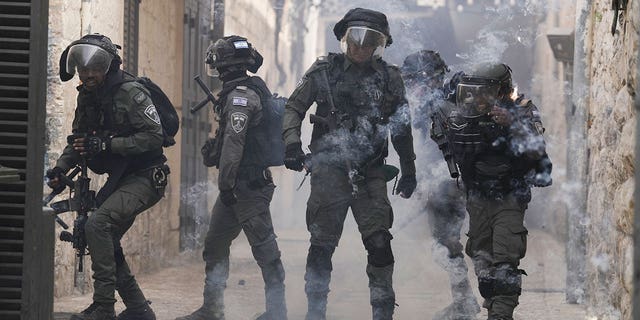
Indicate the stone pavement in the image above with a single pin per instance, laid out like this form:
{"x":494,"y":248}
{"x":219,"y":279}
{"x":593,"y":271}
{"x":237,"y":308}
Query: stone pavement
{"x":421,"y":286}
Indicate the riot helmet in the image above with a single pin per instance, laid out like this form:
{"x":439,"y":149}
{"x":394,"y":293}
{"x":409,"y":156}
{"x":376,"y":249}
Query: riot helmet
{"x":91,"y":53}
{"x":363,"y":34}
{"x":483,"y":88}
{"x":424,"y":66}
{"x":232,"y":53}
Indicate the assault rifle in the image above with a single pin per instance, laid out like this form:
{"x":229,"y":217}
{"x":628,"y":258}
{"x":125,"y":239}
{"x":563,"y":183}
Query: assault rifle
{"x":82,"y":201}
{"x":439,"y":135}
{"x":332,"y":122}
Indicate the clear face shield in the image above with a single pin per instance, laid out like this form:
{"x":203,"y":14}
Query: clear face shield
{"x":87,"y":58}
{"x":361,"y":44}
{"x":476,"y":100}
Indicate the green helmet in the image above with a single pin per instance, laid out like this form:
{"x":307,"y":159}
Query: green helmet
{"x":232,"y":51}
{"x":91,"y":51}
{"x":479,"y":90}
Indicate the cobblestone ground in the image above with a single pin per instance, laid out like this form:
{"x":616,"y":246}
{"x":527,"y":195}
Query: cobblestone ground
{"x":421,"y":286}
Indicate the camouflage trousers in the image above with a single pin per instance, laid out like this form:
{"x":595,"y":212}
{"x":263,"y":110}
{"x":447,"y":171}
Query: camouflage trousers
{"x":105,"y":227}
{"x":497,"y":240}
{"x":330,"y":198}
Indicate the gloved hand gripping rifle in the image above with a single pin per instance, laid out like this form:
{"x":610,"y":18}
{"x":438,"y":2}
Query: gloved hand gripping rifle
{"x":332,"y":122}
{"x":439,"y":135}
{"x":82,"y":201}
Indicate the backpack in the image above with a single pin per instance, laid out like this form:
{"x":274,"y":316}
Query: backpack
{"x":272,"y":115}
{"x":167,"y":112}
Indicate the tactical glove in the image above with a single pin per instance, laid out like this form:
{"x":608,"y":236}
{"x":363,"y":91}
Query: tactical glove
{"x":53,"y":178}
{"x":89,"y":146}
{"x":228,"y":198}
{"x":406,"y":186}
{"x":294,"y":157}
{"x":543,"y":170}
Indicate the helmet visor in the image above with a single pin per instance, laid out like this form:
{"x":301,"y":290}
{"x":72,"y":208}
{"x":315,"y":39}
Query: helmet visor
{"x":363,"y":41}
{"x":476,"y":100}
{"x":87,"y":57}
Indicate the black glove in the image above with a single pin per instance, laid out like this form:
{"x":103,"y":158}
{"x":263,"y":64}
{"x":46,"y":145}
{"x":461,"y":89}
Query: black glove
{"x":406,"y":186}
{"x":91,"y":145}
{"x":95,"y":144}
{"x":543,"y":170}
{"x":53,"y":179}
{"x":294,"y":157}
{"x":228,"y":198}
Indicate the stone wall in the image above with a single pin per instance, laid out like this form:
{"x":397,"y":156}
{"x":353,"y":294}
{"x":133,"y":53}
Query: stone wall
{"x":611,"y":141}
{"x":607,"y":88}
{"x":154,"y":237}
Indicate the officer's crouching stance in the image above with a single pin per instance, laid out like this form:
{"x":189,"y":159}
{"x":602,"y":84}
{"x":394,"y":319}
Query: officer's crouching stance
{"x":240,"y":152}
{"x":118,"y":131}
{"x":498,"y":145}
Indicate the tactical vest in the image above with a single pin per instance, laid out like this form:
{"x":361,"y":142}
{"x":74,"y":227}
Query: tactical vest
{"x":256,"y":141}
{"x":355,"y":98}
{"x":100,"y":110}
{"x":480,"y":148}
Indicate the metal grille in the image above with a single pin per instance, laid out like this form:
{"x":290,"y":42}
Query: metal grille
{"x":195,"y":127}
{"x":21,"y":133}
{"x":14,"y":78}
{"x":131,"y":27}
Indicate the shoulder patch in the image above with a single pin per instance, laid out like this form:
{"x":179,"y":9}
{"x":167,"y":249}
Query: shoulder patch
{"x":152,"y":113}
{"x":139,"y":97}
{"x":242,"y":88}
{"x":238,"y":121}
{"x":240,"y":101}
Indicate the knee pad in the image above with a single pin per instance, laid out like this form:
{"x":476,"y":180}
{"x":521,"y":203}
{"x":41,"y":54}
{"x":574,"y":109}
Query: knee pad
{"x":503,"y":280}
{"x":378,"y":247}
{"x":319,"y":257}
{"x":266,"y":252}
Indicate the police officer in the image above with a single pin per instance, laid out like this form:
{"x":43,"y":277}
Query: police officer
{"x":116,"y":130}
{"x":497,"y":144}
{"x":360,"y":99}
{"x":246,"y":187}
{"x":423,"y":73}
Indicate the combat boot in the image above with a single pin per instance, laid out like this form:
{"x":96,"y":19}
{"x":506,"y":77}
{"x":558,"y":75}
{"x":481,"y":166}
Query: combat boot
{"x":316,"y":306}
{"x":382,"y":312}
{"x":96,"y":311}
{"x":143,"y":313}
{"x":212,"y":308}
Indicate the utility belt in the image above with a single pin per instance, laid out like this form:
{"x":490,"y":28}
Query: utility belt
{"x":500,"y":189}
{"x":256,"y":177}
{"x":158,"y":174}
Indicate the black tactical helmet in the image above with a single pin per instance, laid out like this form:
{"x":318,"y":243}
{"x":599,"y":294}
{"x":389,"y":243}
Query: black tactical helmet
{"x":233,"y":50}
{"x":423,"y":65}
{"x":97,"y":40}
{"x":363,"y":18}
{"x":490,"y":74}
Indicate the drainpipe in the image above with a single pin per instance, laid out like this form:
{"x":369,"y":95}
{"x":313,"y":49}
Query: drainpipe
{"x":577,"y":147}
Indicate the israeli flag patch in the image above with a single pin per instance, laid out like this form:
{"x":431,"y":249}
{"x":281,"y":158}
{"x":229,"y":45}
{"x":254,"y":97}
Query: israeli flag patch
{"x":241,"y":45}
{"x":152,"y":113}
{"x":240,"y":101}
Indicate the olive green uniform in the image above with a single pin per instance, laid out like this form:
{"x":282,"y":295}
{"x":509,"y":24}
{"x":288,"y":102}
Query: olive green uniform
{"x":370,"y":102}
{"x":127,"y":112}
{"x":240,"y":170}
{"x":495,"y":163}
